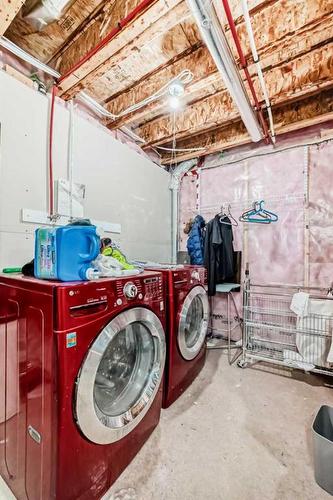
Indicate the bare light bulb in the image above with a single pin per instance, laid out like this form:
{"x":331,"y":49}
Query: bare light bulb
{"x":174,"y":102}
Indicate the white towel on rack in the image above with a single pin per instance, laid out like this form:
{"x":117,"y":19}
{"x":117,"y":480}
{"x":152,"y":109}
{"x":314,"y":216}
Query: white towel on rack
{"x":314,"y":340}
{"x":300,"y":304}
{"x":330,"y":352}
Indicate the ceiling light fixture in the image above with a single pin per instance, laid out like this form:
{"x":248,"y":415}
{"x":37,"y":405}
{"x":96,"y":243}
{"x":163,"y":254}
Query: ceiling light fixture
{"x":174,"y":102}
{"x":176,"y":91}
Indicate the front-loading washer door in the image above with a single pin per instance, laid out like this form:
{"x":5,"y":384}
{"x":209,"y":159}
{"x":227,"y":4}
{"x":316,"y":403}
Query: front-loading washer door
{"x":193,"y":323}
{"x":120,"y":376}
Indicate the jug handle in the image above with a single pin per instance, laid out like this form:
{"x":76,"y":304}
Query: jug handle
{"x":95,"y":247}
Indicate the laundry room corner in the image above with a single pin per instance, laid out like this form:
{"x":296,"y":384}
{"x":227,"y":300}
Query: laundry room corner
{"x":166,"y":250}
{"x":121,"y":186}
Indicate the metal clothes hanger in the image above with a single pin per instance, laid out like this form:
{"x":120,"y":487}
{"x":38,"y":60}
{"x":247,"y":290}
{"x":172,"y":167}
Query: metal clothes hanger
{"x":258,"y":214}
{"x":224,"y":214}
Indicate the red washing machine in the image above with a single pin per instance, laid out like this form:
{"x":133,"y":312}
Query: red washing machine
{"x":187,"y":323}
{"x":81,"y":366}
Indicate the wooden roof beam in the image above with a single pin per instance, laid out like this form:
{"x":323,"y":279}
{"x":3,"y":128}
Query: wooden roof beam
{"x":8,"y":11}
{"x":53,"y":38}
{"x":160,"y":16}
{"x":311,"y":111}
{"x":207,"y":80}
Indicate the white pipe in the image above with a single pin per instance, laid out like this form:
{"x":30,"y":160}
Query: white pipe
{"x":258,"y":66}
{"x":17,"y":51}
{"x":100,"y":110}
{"x":175,"y":181}
{"x":71,"y":155}
{"x":217,"y":45}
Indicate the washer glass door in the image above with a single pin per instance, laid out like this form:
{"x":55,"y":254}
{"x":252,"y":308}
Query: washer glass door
{"x":120,"y":376}
{"x":193,"y":323}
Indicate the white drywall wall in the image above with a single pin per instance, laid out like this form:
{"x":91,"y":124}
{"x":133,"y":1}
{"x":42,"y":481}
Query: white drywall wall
{"x":121,"y":185}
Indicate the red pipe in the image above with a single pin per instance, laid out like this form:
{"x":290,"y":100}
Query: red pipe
{"x":244,"y":66}
{"x":53,"y":96}
{"x":121,"y":24}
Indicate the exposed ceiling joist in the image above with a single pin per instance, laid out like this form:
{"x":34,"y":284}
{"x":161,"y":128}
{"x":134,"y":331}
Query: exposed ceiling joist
{"x":45,"y":44}
{"x":207,"y":80}
{"x":160,"y":18}
{"x":311,"y":111}
{"x":294,"y":40}
{"x":290,"y":81}
{"x":8,"y":10}
{"x":129,"y":66}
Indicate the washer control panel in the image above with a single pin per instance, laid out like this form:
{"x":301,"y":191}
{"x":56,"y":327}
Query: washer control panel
{"x":130,"y":290}
{"x":145,"y":289}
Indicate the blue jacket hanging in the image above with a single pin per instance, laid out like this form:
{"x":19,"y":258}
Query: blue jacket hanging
{"x":195,"y":242}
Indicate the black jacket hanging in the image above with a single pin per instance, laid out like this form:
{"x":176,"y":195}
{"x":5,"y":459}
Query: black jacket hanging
{"x":219,"y":253}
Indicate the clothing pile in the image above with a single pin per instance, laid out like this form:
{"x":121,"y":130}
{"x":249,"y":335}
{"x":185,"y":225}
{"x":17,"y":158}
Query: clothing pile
{"x":112,"y":262}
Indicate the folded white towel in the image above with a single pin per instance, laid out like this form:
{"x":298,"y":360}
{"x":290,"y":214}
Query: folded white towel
{"x":316,"y":346}
{"x":300,"y":304}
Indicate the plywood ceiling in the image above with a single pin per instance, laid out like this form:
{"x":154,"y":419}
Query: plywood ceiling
{"x":294,"y":39}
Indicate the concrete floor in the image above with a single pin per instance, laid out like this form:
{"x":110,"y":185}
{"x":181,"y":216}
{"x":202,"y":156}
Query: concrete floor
{"x":235,"y":434}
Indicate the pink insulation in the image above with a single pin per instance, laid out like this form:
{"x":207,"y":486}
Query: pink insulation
{"x":321,"y":214}
{"x":276,"y":253}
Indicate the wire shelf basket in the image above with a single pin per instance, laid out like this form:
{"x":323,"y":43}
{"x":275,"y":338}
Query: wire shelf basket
{"x":274,"y":333}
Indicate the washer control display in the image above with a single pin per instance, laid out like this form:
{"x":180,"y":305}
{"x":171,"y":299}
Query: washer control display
{"x":153,"y":288}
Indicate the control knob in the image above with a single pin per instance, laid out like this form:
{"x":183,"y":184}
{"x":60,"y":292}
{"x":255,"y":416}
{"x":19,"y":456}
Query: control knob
{"x":130,"y":290}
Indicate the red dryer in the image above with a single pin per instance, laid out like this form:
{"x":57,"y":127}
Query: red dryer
{"x":187,"y":323}
{"x":81,"y":366}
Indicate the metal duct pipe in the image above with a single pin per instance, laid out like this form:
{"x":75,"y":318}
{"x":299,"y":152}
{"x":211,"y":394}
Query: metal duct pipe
{"x":175,"y":181}
{"x":217,"y":44}
{"x":43,"y":12}
{"x":256,"y":60}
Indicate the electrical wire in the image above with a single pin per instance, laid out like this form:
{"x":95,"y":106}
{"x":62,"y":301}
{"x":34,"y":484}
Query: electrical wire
{"x":181,"y":150}
{"x":317,"y":142}
{"x":173,"y":152}
{"x":184,"y":77}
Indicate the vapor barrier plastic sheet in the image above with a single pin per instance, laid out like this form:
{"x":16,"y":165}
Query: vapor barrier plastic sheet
{"x":321,"y":214}
{"x":276,"y":253}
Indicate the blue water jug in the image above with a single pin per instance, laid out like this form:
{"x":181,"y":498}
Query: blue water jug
{"x":65,"y":253}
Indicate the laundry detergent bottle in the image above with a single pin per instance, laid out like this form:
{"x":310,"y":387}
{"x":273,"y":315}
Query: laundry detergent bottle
{"x":66,"y":253}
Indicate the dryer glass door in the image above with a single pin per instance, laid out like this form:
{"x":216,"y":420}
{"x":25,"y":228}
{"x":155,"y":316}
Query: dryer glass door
{"x":193,"y":323}
{"x":120,"y":376}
